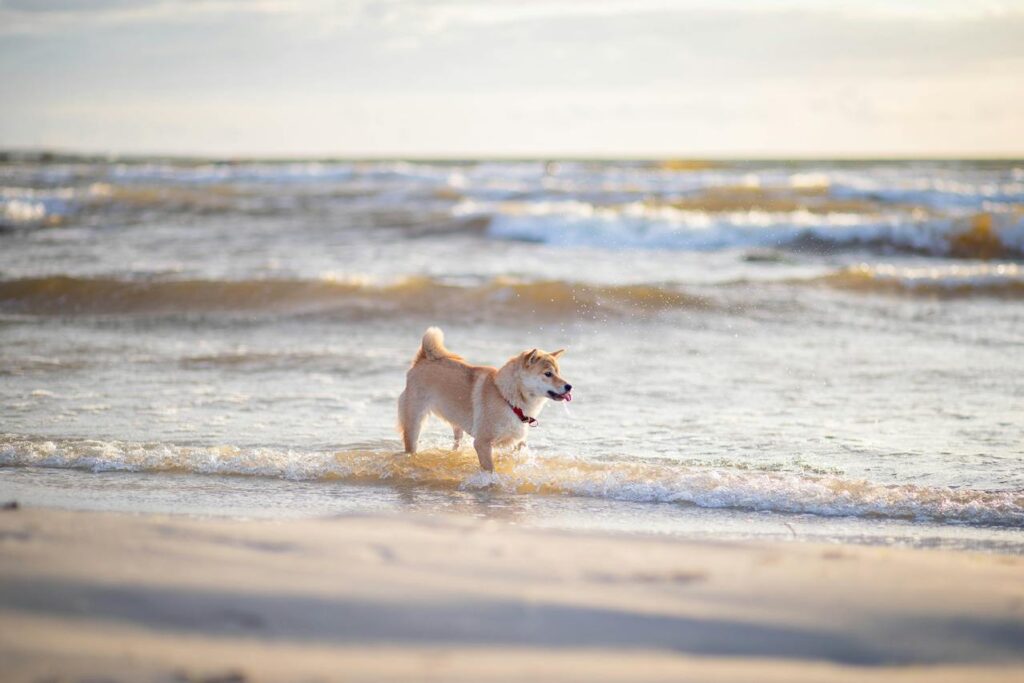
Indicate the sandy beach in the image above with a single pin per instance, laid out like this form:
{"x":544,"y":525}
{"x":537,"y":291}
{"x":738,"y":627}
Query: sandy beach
{"x":90,"y":596}
{"x":749,"y":274}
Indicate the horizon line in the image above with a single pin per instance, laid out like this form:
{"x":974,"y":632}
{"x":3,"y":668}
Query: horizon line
{"x":47,"y":154}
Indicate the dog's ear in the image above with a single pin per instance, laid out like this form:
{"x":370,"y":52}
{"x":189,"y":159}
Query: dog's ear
{"x":530,"y":357}
{"x":556,"y":354}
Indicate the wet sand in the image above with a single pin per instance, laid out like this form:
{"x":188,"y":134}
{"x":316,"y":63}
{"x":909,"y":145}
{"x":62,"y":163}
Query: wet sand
{"x":143,"y":597}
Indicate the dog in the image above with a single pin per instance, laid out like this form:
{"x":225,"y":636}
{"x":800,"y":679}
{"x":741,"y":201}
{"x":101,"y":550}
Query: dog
{"x":494,"y":406}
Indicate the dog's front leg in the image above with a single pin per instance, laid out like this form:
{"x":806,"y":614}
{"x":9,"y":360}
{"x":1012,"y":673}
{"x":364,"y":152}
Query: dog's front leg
{"x":483,"y":452}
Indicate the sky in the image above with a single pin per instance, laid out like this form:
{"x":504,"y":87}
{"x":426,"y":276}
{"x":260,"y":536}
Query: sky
{"x":521,"y":78}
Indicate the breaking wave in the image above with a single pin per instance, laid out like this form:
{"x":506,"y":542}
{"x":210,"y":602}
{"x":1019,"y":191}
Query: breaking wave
{"x":643,"y":226}
{"x":27,"y":208}
{"x":648,"y":480}
{"x":64,"y":295}
{"x":1004,"y":280}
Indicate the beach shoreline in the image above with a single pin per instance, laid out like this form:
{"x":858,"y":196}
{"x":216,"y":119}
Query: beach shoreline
{"x":155,"y":597}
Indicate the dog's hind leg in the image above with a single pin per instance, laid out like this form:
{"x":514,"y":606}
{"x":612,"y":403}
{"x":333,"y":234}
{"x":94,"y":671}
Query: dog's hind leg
{"x":457,"y":433}
{"x":411,"y":413}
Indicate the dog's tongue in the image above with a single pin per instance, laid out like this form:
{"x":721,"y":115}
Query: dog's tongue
{"x":567,"y":395}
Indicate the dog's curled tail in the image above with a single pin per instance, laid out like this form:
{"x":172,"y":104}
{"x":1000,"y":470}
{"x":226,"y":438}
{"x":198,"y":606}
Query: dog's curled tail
{"x":432,"y":347}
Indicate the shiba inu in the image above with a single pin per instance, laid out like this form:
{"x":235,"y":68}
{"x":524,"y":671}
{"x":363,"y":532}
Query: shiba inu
{"x":495,"y":406}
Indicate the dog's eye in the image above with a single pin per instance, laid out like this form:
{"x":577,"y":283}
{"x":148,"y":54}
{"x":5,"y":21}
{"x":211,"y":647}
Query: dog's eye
{"x":547,"y":374}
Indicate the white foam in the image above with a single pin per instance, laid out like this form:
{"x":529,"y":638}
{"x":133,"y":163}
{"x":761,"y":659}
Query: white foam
{"x":220,"y":173}
{"x":948,"y":276}
{"x":636,"y":225}
{"x":931,"y":192}
{"x":20,"y":211}
{"x":526,"y":473}
{"x":32,"y":206}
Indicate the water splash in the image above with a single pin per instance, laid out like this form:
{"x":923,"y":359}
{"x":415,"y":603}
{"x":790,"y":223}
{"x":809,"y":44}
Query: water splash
{"x":527,"y":473}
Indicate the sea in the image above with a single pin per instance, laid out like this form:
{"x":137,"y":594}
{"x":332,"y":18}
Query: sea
{"x":772,"y":350}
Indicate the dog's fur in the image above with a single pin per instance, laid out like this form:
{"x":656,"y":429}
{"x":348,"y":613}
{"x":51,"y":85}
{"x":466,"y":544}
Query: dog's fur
{"x":477,"y":399}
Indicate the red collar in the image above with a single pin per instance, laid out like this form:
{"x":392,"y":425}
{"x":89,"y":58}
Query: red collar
{"x":523,"y":417}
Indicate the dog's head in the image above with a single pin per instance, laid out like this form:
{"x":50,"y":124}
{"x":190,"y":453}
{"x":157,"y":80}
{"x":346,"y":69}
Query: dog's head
{"x":539,"y":375}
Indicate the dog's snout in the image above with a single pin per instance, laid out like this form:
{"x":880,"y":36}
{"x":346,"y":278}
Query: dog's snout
{"x":568,"y":387}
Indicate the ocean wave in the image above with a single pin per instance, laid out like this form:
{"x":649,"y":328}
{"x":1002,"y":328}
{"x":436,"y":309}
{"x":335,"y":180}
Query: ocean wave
{"x":105,"y":202}
{"x":23,"y":207}
{"x":1005,"y":280}
{"x":650,"y":480}
{"x":14,"y":212}
{"x":803,"y":196}
{"x":936,"y":188}
{"x":641,"y":225}
{"x":248,"y":172}
{"x":63,"y":295}
{"x":30,"y":208}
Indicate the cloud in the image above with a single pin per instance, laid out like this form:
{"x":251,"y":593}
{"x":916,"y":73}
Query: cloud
{"x":522,"y":73}
{"x":80,"y":6}
{"x":48,"y":16}
{"x":432,"y":15}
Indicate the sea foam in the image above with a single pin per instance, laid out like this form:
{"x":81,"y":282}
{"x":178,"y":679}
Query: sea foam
{"x":622,"y":479}
{"x":640,"y":226}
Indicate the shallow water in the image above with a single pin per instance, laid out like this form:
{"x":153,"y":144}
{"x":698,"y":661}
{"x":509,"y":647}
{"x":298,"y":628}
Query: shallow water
{"x":755,"y":347}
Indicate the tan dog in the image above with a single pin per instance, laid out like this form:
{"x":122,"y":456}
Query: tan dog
{"x":493,"y":406}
